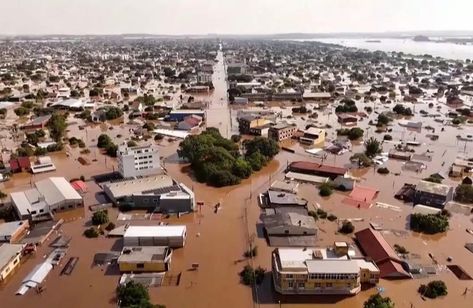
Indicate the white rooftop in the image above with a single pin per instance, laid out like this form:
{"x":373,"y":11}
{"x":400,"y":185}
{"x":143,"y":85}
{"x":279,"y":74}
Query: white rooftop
{"x":332,"y":266}
{"x":7,"y":252}
{"x":155,"y":231}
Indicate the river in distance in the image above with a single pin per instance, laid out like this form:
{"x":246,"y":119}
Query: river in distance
{"x":407,"y":46}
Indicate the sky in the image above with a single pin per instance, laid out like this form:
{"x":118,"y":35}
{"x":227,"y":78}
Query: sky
{"x":231,"y":16}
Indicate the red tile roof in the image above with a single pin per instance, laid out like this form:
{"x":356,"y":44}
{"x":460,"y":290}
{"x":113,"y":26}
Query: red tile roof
{"x":377,"y":248}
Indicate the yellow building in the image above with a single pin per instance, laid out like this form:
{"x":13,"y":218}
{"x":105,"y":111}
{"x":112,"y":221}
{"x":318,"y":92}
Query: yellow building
{"x":10,"y":255}
{"x":145,"y":259}
{"x":320,"y":271}
{"x":313,"y":136}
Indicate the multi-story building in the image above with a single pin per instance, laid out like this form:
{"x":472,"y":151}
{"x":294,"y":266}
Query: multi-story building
{"x":253,"y":125}
{"x":138,"y":161}
{"x":10,"y":255}
{"x":282,"y":131}
{"x":321,"y":271}
{"x":313,"y":136}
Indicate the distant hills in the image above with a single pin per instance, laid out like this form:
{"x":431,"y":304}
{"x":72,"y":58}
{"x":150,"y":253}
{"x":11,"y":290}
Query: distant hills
{"x":369,"y":35}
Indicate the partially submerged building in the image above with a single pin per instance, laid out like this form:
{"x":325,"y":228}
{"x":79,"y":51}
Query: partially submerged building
{"x":282,"y":131}
{"x":12,"y":232}
{"x":321,"y":271}
{"x":375,"y":247}
{"x":433,"y":194}
{"x":158,"y":193}
{"x":145,"y":259}
{"x":289,"y":227}
{"x":49,"y":196}
{"x":317,"y":169}
{"x":10,"y":255}
{"x":280,"y":198}
{"x":138,"y":161}
{"x":171,"y":236}
{"x":313,"y":136}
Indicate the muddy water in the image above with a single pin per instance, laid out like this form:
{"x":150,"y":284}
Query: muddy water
{"x":218,"y":113}
{"x":217,"y":241}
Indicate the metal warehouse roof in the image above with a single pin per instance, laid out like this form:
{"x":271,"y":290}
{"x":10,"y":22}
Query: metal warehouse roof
{"x":155,"y":231}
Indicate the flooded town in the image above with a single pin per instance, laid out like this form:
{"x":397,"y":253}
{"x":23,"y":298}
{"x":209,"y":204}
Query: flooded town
{"x":235,"y":171}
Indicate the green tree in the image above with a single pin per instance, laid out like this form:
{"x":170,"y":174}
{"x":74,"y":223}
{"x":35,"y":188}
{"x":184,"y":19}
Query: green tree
{"x":133,"y":295}
{"x":100,"y":217}
{"x":378,"y":301}
{"x":113,"y":113}
{"x":433,"y":289}
{"x":464,"y":193}
{"x":383,"y":119}
{"x":21,"y":111}
{"x":430,"y":223}
{"x":267,"y":147}
{"x":57,"y":126}
{"x":103,"y":141}
{"x":347,"y":227}
{"x":372,"y":147}
{"x":325,"y":190}
{"x":242,"y":168}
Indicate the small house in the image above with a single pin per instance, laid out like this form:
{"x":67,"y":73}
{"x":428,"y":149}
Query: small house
{"x":433,"y":194}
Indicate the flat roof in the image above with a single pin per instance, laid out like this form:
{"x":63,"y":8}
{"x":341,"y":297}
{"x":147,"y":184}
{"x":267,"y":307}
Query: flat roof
{"x":143,"y":254}
{"x":7,"y":252}
{"x":138,"y":186}
{"x":433,"y":188}
{"x":9,"y":228}
{"x":330,"y":266}
{"x":154,"y":231}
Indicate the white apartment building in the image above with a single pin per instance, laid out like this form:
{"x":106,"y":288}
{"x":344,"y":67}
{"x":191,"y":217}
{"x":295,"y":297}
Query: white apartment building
{"x":138,"y":161}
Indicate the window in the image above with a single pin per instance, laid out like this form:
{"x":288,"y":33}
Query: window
{"x":290,"y":284}
{"x":15,"y":261}
{"x":289,"y":276}
{"x":318,"y":285}
{"x":301,"y":285}
{"x":329,"y":285}
{"x":140,"y":265}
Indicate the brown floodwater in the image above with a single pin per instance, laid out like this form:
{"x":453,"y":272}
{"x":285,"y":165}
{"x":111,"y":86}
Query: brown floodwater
{"x":217,"y":241}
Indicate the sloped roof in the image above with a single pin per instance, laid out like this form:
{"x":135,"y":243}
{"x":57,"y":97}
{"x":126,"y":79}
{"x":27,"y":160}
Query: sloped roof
{"x":374,"y":245}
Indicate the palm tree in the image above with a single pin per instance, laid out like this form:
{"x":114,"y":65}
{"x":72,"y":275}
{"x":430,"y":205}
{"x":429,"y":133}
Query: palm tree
{"x":373,"y":147}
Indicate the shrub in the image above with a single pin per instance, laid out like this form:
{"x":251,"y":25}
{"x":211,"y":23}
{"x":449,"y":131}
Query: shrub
{"x":321,"y":213}
{"x":362,"y":159}
{"x":100,"y":217}
{"x":352,"y":133}
{"x":400,"y":249}
{"x":464,"y":193}
{"x":347,"y":227}
{"x":433,"y":289}
{"x":325,"y":190}
{"x":103,"y":141}
{"x":313,"y":214}
{"x":331,"y":217}
{"x":133,"y":294}
{"x":378,"y":301}
{"x":387,"y":137}
{"x":383,"y":170}
{"x":110,"y":226}
{"x":158,"y":137}
{"x":91,"y":232}
{"x":250,"y":276}
{"x":430,"y":223}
